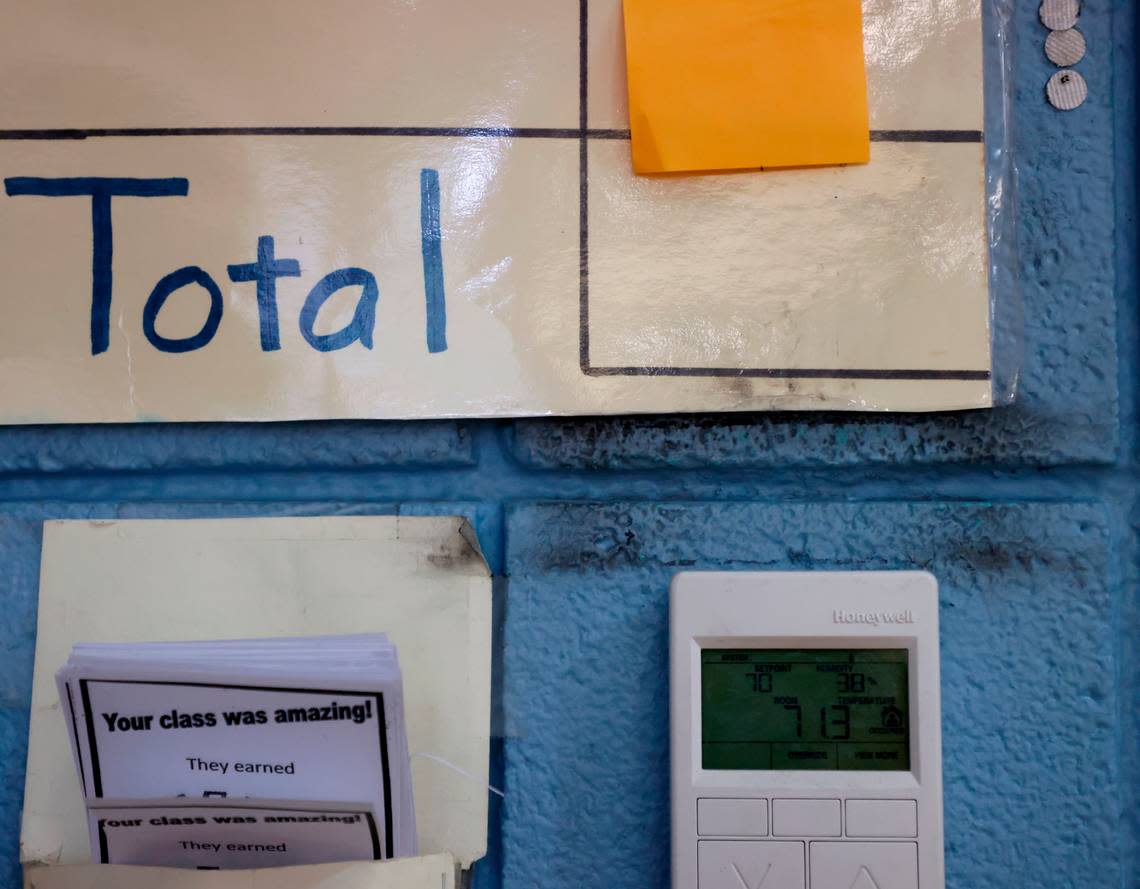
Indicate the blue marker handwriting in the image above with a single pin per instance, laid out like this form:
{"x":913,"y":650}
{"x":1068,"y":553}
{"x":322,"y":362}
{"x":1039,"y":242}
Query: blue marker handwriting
{"x":263,"y":272}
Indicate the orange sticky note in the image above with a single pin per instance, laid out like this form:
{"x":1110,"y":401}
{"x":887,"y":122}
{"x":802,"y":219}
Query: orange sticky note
{"x":731,"y":84}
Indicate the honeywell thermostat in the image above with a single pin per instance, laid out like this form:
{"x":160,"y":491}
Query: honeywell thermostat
{"x":805,"y":722}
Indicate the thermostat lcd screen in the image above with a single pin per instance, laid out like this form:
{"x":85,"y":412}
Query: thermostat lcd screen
{"x":783,"y":708}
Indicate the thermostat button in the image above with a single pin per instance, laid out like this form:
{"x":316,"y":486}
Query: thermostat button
{"x":750,"y":864}
{"x":864,"y":866}
{"x":806,"y":818}
{"x":732,"y":817}
{"x":882,"y":818}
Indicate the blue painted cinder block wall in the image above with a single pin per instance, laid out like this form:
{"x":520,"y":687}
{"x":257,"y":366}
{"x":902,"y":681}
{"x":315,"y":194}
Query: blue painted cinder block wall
{"x":1027,"y":515}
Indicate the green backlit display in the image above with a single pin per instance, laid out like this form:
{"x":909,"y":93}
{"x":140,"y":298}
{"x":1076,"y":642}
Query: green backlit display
{"x":782,"y":708}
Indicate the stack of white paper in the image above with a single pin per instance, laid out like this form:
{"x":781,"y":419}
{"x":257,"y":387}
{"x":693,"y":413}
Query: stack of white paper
{"x":247,"y":753}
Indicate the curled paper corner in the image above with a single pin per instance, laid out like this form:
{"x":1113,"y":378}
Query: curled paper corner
{"x":474,"y":550}
{"x":644,"y":147}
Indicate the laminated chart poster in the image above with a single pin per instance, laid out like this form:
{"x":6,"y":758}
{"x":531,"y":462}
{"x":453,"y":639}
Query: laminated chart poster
{"x":381,"y":208}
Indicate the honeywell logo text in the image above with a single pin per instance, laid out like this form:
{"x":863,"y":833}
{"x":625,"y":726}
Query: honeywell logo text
{"x":874,"y":618}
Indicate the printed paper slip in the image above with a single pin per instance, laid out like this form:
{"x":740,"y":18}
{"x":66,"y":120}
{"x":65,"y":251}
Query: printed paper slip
{"x":144,"y":739}
{"x":229,"y":835}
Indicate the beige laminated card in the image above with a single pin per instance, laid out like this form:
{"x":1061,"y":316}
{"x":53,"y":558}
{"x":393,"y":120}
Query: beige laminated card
{"x":421,"y":580}
{"x":426,"y":872}
{"x":382,"y":209}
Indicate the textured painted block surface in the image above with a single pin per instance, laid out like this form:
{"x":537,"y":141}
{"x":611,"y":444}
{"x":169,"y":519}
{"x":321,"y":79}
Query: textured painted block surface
{"x":152,"y":446}
{"x":14,"y":744}
{"x":1026,"y":586}
{"x":1029,"y":703}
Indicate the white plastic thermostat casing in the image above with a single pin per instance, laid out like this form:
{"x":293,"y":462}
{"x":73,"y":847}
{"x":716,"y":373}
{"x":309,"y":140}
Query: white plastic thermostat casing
{"x":806,"y":829}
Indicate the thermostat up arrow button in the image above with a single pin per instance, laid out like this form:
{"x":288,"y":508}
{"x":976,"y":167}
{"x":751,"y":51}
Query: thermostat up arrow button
{"x":864,"y":880}
{"x":864,"y":866}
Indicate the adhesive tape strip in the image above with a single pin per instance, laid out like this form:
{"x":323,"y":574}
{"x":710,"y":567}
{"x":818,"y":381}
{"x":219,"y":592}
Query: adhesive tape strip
{"x":1065,"y":48}
{"x":1066,"y":90}
{"x":1059,"y":15}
